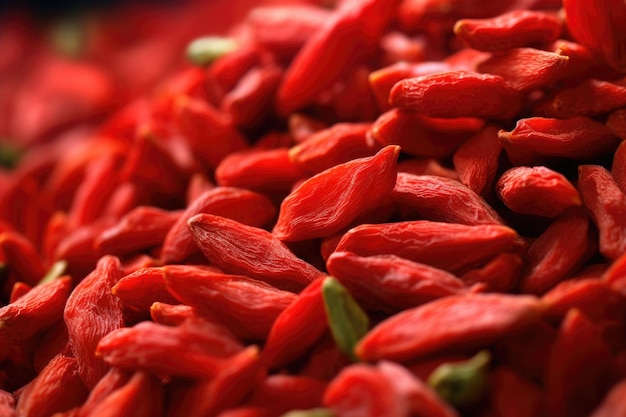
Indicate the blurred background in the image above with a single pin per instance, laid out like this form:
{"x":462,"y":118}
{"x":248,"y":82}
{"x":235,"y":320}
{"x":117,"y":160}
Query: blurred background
{"x":72,"y":61}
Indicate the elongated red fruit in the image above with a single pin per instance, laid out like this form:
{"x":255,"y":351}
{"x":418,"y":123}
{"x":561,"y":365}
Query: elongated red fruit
{"x":441,"y":325}
{"x":247,"y":250}
{"x":331,"y":200}
{"x":457,"y":94}
{"x":430,"y":243}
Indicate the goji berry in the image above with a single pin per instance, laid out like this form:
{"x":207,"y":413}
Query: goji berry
{"x":457,"y":94}
{"x":515,"y":29}
{"x":537,"y":190}
{"x":387,"y":282}
{"x":591,"y":98}
{"x":148,"y":346}
{"x":430,"y":242}
{"x":247,"y":250}
{"x":513,"y":395}
{"x":538,"y":140}
{"x":546,"y":264}
{"x":579,"y":345}
{"x":477,"y":160}
{"x":57,"y":388}
{"x":34,"y":311}
{"x":600,"y":30}
{"x":297,"y":327}
{"x":245,"y":206}
{"x":438,"y":326}
{"x":443,"y":200}
{"x":208,"y":295}
{"x":607,"y":206}
{"x":331,"y":200}
{"x":333,"y":146}
{"x":228,"y":388}
{"x":527,"y":69}
{"x":399,"y":127}
{"x":91,"y":312}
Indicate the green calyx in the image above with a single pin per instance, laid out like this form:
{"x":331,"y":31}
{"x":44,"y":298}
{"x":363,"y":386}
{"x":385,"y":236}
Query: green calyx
{"x":203,"y":51}
{"x":9,"y":156}
{"x":56,"y":271}
{"x":316,"y":412}
{"x":462,"y":384}
{"x":347,"y":321}
{"x":68,"y":37}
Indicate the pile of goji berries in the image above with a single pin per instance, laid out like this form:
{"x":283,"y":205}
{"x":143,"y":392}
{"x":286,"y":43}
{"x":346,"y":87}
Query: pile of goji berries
{"x":365,"y":208}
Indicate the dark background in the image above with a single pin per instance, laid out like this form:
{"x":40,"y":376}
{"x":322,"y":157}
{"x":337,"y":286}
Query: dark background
{"x":52,"y":8}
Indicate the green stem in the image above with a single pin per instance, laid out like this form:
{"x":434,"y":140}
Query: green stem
{"x":462,"y":384}
{"x":347,"y":321}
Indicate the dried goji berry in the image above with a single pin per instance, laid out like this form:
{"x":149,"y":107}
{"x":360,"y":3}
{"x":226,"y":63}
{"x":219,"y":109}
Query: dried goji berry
{"x":363,"y":387}
{"x":143,"y":287}
{"x":592,"y":297}
{"x":245,"y":206}
{"x":457,"y":94}
{"x":109,"y":383}
{"x":616,"y":122}
{"x":200,"y":122}
{"x":513,"y":395}
{"x":297,"y":327}
{"x":515,"y":29}
{"x":421,"y":400}
{"x":57,"y":388}
{"x":285,"y":29}
{"x":327,"y":55}
{"x":579,"y":371}
{"x":538,"y":140}
{"x":263,"y":170}
{"x":141,"y":396}
{"x":613,"y":404}
{"x":22,"y":257}
{"x":430,"y":242}
{"x":383,"y":80}
{"x":562,"y":248}
{"x":91,"y":312}
{"x":442,"y":199}
{"x":31,"y":313}
{"x":500,"y":274}
{"x":527,"y":69}
{"x":391,"y":283}
{"x":94,"y":191}
{"x":210,"y":396}
{"x":228,"y":297}
{"x":331,"y":200}
{"x":336,"y":145}
{"x":148,"y":346}
{"x":537,"y":190}
{"x":403,"y":128}
{"x":607,"y":206}
{"x":599,"y":30}
{"x":249,"y":102}
{"x":477,"y":160}
{"x":170,"y":314}
{"x":140,"y":229}
{"x":439,"y":325}
{"x":7,"y":404}
{"x":283,"y":393}
{"x":247,"y":250}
